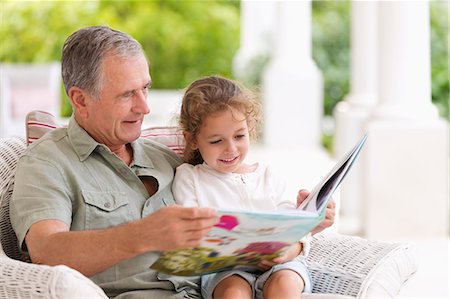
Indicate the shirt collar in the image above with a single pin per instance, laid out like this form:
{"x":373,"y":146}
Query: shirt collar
{"x":84,"y":145}
{"x":141,"y":157}
{"x":82,"y":142}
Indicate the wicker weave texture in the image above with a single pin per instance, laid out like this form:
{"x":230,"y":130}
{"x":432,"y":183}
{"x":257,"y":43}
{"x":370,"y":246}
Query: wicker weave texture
{"x":10,"y":151}
{"x":340,"y":264}
{"x":21,"y":280}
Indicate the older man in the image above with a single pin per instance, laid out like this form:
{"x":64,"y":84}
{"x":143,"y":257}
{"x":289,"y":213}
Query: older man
{"x":95,"y":197}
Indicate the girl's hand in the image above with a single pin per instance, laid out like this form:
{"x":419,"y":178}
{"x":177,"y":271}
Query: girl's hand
{"x":329,"y":213}
{"x":289,"y":255}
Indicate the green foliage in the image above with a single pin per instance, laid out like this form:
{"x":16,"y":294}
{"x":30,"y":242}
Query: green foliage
{"x":182,"y":39}
{"x":439,"y":13}
{"x":187,"y":39}
{"x":331,"y":44}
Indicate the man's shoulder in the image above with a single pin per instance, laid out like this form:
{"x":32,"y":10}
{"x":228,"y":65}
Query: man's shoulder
{"x":49,"y":144}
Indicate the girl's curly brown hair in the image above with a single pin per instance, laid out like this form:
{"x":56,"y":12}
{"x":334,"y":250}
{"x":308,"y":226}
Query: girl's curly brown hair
{"x":208,"y":96}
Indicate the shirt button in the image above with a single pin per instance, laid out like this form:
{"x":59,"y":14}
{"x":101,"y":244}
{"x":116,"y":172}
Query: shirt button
{"x":107,"y":205}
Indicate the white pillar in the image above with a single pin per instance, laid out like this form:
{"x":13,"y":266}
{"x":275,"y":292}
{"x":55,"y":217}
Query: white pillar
{"x":407,"y":154}
{"x":292,"y":83}
{"x":352,"y":114}
{"x":26,"y":87}
{"x":257,"y":26}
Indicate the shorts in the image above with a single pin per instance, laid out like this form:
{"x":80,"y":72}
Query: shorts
{"x":256,"y":280}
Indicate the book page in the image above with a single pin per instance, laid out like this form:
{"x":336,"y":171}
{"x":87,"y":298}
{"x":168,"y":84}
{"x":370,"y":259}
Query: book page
{"x":240,"y":239}
{"x":322,"y":193}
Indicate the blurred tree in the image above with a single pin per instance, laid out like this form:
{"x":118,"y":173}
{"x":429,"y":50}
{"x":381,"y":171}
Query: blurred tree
{"x":187,"y":39}
{"x":331,"y":43}
{"x":439,"y":36}
{"x":182,"y":39}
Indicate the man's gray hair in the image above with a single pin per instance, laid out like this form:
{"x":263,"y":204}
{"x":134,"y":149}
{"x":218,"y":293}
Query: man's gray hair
{"x":84,"y":51}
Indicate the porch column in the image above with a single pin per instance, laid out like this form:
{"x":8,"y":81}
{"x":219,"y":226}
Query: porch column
{"x":292,"y":83}
{"x":407,"y":151}
{"x":352,"y":113}
{"x":257,"y":26}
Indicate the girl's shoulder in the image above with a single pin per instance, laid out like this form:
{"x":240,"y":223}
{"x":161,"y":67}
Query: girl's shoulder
{"x":267,"y":171}
{"x":262,"y":168}
{"x":185,"y":167}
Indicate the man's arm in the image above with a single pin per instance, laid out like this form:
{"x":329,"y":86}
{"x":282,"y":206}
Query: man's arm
{"x":50,"y":242}
{"x":329,"y":213}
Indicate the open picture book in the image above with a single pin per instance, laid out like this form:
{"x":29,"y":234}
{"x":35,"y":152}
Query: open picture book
{"x":244,"y":238}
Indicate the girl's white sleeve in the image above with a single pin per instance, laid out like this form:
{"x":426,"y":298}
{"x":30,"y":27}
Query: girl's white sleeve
{"x":183,"y":186}
{"x":278,"y":188}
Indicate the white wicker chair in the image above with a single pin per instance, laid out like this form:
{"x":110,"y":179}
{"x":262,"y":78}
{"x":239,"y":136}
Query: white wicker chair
{"x":341,"y":266}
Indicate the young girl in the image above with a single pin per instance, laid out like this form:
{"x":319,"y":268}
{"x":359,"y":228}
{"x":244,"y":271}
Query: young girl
{"x":218,"y":119}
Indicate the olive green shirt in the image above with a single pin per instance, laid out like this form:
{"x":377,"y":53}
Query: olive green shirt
{"x":68,"y":176}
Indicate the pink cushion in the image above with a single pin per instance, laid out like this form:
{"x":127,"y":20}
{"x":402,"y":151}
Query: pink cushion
{"x":171,"y":137}
{"x":39,"y":122}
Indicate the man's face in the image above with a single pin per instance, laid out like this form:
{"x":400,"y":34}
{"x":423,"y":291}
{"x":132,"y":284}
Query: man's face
{"x":115,"y":118}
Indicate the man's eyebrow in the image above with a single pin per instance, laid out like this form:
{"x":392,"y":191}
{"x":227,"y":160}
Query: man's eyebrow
{"x":147,"y":85}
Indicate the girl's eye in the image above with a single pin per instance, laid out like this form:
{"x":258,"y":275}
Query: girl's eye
{"x":240,"y":136}
{"x":214,"y":142}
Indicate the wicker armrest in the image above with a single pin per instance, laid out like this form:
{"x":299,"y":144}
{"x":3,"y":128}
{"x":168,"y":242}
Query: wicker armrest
{"x":23,"y":280}
{"x":359,"y":268}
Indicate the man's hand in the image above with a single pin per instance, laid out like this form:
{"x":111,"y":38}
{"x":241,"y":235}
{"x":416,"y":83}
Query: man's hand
{"x":176,"y":227}
{"x":329,"y":213}
{"x":91,"y":251}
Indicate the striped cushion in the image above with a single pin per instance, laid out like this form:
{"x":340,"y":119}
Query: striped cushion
{"x":39,"y":122}
{"x":171,"y":137}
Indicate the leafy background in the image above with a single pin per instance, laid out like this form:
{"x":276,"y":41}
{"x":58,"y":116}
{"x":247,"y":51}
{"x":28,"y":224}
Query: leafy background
{"x":188,"y":39}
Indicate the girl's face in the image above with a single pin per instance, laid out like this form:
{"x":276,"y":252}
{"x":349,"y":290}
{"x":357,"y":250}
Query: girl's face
{"x":223,"y":141}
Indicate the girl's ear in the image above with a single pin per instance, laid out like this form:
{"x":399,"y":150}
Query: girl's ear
{"x":190,"y":140}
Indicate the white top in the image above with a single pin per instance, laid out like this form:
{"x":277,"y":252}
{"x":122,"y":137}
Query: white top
{"x":200,"y":185}
{"x":260,"y":190}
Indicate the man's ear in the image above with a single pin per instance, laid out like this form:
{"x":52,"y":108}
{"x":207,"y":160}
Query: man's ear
{"x":190,"y":140}
{"x":78,"y":99}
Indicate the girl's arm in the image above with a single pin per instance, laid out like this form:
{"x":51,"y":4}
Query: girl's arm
{"x":183,"y":187}
{"x":296,"y":249}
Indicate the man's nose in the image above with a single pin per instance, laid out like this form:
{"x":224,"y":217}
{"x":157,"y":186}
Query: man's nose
{"x":141,"y":103}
